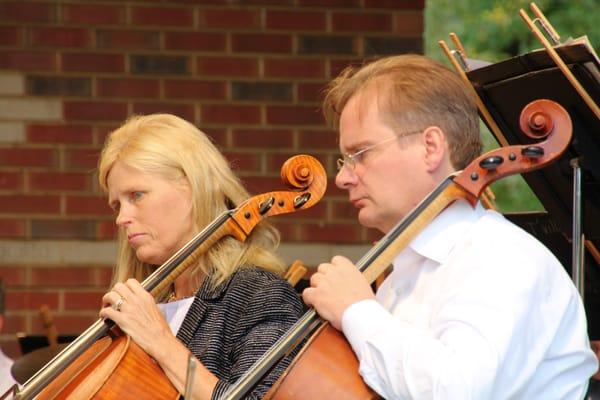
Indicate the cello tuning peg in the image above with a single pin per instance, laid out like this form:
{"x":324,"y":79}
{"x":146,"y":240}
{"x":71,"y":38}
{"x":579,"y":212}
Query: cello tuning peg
{"x":532,"y":151}
{"x":491,"y":163}
{"x":266,"y":206}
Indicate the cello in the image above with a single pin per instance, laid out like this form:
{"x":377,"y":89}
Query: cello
{"x":103,"y":363}
{"x":326,"y":367}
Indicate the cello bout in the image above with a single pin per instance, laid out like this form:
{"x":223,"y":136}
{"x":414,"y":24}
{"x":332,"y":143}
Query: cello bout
{"x":326,"y":368}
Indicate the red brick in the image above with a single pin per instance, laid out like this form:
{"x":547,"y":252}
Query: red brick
{"x":11,"y":228}
{"x":10,"y":180}
{"x":13,"y":324}
{"x":195,"y":41}
{"x":63,"y":276}
{"x":25,"y":11}
{"x":229,"y":18}
{"x":311,"y":92}
{"x":261,"y":43}
{"x":287,"y":230}
{"x":185,"y":111}
{"x":163,"y":16}
{"x":294,"y":68}
{"x":318,"y":139}
{"x":87,"y":205}
{"x":243,"y":161}
{"x":105,"y":277}
{"x":344,"y":210}
{"x":227,"y":66}
{"x":13,"y":275}
{"x":338,"y":65}
{"x":409,"y":22}
{"x":331,"y":233}
{"x":107,"y":230}
{"x":230,"y":114}
{"x":332,"y":189}
{"x":22,"y":157}
{"x":31,"y":204}
{"x":84,"y":300}
{"x":189,"y":89}
{"x":85,"y":159}
{"x":262,"y":184}
{"x":26,"y":299}
{"x":75,"y":324}
{"x":361,"y":21}
{"x":93,"y":14}
{"x":395,"y":4}
{"x":70,"y":134}
{"x":28,"y":61}
{"x":372,"y":236}
{"x":296,"y":20}
{"x":128,"y":39}
{"x":57,"y":229}
{"x":10,"y":36}
{"x":218,"y":136}
{"x":123,"y":87}
{"x":59,"y":181}
{"x":102,"y":132}
{"x":97,"y":62}
{"x":330,"y":3}
{"x":294,"y":115}
{"x":89,"y":110}
{"x":318,"y":211}
{"x":59,"y":37}
{"x":262,"y":138}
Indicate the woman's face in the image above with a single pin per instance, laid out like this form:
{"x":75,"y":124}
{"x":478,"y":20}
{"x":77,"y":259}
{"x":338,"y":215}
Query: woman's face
{"x":154,"y":213}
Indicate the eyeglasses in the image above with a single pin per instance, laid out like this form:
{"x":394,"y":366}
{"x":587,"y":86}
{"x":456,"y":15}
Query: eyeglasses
{"x":350,"y":160}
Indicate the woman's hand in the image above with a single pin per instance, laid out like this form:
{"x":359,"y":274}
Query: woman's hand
{"x":134,"y":310}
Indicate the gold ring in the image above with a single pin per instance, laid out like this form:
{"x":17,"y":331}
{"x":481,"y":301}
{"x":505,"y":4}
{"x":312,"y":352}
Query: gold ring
{"x":119,"y":303}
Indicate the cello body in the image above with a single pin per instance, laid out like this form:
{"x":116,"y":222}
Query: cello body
{"x":329,"y":364}
{"x":112,"y":368}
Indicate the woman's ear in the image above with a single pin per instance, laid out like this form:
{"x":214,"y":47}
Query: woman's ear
{"x":436,"y":149}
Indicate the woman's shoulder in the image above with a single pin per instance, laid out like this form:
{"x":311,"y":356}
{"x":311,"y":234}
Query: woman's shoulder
{"x":252,"y":277}
{"x":256,"y":285}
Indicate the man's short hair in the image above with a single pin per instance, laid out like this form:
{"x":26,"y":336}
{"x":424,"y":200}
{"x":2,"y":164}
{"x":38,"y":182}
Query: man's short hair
{"x":414,"y":92}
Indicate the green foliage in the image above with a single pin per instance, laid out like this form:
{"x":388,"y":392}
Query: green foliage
{"x":493,"y":30}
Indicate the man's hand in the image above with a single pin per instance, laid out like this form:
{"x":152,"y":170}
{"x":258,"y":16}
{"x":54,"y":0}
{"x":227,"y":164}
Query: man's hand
{"x":335,"y":287}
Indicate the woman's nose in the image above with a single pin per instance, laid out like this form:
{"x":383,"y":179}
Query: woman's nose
{"x":123,"y":217}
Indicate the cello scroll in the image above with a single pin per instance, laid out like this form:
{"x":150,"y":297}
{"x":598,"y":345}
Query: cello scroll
{"x":539,"y":119}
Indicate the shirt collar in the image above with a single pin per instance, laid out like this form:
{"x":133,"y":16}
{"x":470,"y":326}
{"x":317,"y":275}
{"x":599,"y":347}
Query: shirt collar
{"x":439,"y":237}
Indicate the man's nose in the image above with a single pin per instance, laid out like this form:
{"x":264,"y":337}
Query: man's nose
{"x":345,"y":178}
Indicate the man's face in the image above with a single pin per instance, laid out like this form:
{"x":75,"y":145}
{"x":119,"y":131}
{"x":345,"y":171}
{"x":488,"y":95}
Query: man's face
{"x":388,"y":180}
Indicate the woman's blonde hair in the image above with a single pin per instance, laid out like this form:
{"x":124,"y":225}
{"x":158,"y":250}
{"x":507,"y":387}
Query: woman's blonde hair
{"x":173,"y":148}
{"x":414,"y":92}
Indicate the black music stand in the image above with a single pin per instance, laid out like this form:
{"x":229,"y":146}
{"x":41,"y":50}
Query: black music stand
{"x":505,"y":88}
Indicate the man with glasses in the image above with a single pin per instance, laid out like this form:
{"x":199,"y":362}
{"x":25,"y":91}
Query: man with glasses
{"x":474,"y":307}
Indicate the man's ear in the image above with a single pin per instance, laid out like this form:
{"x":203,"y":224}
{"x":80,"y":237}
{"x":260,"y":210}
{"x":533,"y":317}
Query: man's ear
{"x":436,"y":149}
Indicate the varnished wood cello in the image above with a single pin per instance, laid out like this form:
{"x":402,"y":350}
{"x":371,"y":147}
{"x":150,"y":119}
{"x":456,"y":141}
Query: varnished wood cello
{"x":326,"y":368}
{"x":103,"y":363}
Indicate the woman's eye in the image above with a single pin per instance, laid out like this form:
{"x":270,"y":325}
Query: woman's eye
{"x":136,"y":195}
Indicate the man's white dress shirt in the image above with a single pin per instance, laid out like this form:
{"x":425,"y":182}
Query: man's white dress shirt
{"x":475,"y":308}
{"x":6,"y":379}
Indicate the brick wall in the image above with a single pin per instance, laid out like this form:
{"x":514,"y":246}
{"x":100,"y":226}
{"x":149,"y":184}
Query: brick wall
{"x":248,"y":73}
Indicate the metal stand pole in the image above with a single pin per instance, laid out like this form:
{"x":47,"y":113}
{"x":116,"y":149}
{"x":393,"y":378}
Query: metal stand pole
{"x":578,"y":239}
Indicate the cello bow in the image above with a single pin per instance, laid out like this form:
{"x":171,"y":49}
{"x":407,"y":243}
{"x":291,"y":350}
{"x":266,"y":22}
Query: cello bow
{"x":307,"y":180}
{"x":540,"y":119}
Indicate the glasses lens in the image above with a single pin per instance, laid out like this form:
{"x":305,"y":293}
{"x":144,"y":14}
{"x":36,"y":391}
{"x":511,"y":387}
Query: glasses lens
{"x":340,"y":163}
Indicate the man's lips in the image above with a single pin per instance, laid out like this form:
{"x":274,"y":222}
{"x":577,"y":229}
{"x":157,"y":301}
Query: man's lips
{"x":358,"y":202}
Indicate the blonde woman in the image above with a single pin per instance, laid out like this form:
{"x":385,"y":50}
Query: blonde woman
{"x":165,"y":181}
